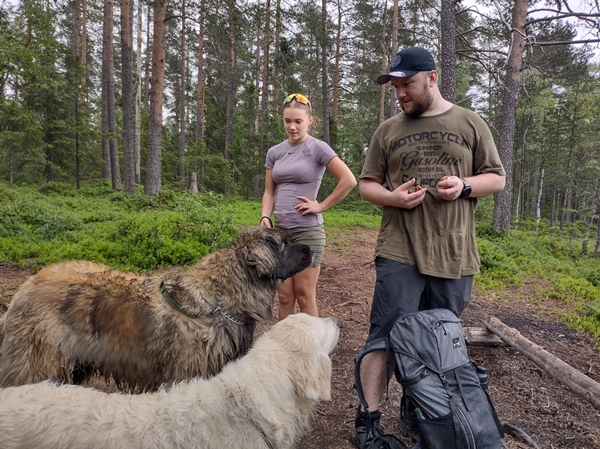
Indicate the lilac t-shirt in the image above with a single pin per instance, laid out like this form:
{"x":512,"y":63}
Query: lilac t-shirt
{"x":297,"y":171}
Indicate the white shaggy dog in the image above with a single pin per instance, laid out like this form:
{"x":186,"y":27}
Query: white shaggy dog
{"x":263,"y":400}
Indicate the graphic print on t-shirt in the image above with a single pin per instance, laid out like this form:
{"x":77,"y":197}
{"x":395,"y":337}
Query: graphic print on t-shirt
{"x":429,"y":156}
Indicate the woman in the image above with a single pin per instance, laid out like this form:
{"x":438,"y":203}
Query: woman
{"x":294,"y":170}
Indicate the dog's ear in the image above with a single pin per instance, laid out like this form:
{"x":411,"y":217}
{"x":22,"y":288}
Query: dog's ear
{"x":315,"y":377}
{"x":263,"y":256}
{"x":307,"y":340}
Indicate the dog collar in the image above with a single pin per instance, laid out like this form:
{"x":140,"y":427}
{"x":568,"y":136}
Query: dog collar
{"x":218,"y":308}
{"x":172,"y":302}
{"x":221,"y":311}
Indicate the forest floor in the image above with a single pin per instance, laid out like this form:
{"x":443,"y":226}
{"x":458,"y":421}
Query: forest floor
{"x":524,"y":395}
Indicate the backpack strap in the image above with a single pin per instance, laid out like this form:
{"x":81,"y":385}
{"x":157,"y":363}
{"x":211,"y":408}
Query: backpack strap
{"x":379,"y":344}
{"x":462,"y":391}
{"x":452,"y":410}
{"x":494,"y":415}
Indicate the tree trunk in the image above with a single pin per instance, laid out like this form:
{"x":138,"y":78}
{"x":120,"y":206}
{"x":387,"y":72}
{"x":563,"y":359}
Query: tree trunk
{"x":578,"y":383}
{"x":138,"y":96}
{"x":230,"y":91}
{"x":127,"y":89}
{"x":106,"y":44}
{"x":384,"y":67}
{"x":338,"y":56}
{"x":448,"y":38}
{"x":264,"y":97}
{"x":325,"y":72}
{"x":230,"y":83}
{"x":182,"y":113}
{"x":502,"y":206}
{"x":149,"y":33}
{"x":200,"y":94}
{"x":200,"y":87}
{"x":588,"y":227}
{"x":393,"y":101}
{"x":276,"y":67}
{"x":77,"y":56}
{"x":110,"y":96}
{"x":538,"y":203}
{"x":567,"y":212}
{"x":83,"y":52}
{"x":153,"y":159}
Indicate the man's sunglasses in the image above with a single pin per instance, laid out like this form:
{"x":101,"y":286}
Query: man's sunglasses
{"x":299,"y":98}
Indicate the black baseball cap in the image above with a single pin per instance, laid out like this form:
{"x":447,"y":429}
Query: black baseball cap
{"x":408,"y":62}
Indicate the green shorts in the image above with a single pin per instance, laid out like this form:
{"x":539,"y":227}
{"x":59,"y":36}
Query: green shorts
{"x":312,"y":236}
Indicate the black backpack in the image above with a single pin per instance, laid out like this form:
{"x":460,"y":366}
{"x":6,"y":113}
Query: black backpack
{"x":451,"y":408}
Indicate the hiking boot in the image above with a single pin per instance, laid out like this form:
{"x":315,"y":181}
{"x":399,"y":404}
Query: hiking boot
{"x":366,"y":428}
{"x":364,"y":435}
{"x":368,"y":433}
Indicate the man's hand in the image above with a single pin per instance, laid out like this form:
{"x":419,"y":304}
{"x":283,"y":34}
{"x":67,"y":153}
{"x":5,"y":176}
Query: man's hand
{"x":450,"y":187}
{"x":409,"y":195}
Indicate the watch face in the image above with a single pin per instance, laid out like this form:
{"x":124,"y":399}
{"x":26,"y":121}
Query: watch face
{"x":466,"y":191}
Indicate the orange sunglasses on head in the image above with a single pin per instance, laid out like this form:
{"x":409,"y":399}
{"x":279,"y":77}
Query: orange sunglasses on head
{"x":299,"y":98}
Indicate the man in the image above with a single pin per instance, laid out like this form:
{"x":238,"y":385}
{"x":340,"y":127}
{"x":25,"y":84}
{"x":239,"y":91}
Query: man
{"x":425,"y":167}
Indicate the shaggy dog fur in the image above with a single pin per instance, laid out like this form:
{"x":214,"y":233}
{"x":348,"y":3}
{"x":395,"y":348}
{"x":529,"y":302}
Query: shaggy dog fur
{"x":269,"y":394}
{"x":74,"y":319}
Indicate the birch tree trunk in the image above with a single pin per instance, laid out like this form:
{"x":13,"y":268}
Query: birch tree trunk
{"x":538,"y":205}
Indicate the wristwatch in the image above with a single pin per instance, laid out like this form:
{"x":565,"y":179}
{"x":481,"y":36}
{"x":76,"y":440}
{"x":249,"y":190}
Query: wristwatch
{"x":466,"y":191}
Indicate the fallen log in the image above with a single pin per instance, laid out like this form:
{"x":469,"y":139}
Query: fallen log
{"x":578,"y":383}
{"x":481,"y":336}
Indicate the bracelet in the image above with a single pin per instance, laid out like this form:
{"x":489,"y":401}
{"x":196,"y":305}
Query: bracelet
{"x":268,"y":218}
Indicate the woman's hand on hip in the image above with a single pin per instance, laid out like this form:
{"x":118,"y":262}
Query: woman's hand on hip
{"x":308,"y":206}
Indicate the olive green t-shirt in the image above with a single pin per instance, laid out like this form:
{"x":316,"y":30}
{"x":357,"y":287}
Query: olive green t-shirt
{"x":438,"y":236}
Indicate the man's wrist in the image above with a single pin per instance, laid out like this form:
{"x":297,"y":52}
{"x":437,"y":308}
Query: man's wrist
{"x":466,"y":191}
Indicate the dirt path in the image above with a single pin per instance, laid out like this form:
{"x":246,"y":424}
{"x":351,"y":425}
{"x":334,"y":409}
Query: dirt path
{"x":523,"y":395}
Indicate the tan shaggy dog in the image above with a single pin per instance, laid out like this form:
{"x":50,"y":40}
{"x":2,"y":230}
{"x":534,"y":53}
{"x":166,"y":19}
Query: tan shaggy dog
{"x":74,"y":319}
{"x":263,"y":400}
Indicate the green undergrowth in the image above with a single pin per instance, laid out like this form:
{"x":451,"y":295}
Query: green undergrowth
{"x":57,"y":222}
{"x":134,"y":233}
{"x":555,"y":260}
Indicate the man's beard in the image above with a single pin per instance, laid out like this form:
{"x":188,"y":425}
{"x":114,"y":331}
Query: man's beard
{"x":419,"y":105}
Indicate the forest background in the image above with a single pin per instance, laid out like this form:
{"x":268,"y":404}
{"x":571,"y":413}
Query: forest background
{"x":160,"y":93}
